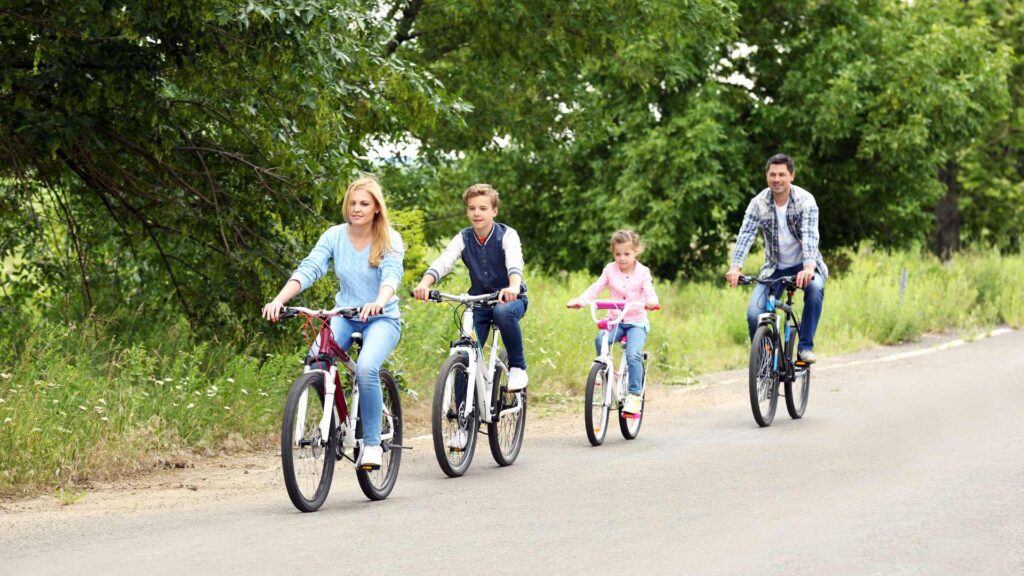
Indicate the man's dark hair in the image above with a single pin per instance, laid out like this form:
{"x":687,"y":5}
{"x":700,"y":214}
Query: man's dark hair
{"x":780,"y":159}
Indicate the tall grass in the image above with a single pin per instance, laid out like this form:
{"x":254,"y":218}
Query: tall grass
{"x":108,"y":398}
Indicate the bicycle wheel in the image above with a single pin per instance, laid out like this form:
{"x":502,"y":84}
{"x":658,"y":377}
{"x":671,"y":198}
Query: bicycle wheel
{"x":797,"y":392}
{"x":595,"y":411}
{"x":506,"y":435}
{"x":377,"y":484}
{"x":764,"y":380}
{"x":447,"y":419}
{"x":307,"y":460}
{"x":630,"y":425}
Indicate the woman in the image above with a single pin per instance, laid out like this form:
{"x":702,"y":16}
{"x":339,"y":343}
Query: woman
{"x":367,"y":257}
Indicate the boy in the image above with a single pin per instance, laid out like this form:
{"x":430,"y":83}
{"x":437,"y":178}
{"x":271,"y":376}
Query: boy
{"x":494,"y":256}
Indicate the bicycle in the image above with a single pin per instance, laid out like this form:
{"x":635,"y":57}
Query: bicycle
{"x":470,"y":391}
{"x":606,"y":386}
{"x":767,"y":366}
{"x":319,"y":428}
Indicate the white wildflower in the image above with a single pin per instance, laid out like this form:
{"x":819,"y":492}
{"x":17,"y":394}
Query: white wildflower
{"x":6,"y":420}
{"x":190,"y":406}
{"x":82,"y":408}
{"x":244,"y":391}
{"x":105,"y":419}
{"x":5,"y":375}
{"x":228,"y":408}
{"x":231,"y":380}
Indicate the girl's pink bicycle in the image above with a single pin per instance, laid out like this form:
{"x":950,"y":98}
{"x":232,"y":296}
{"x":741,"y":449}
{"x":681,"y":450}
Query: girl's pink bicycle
{"x":607,"y":386}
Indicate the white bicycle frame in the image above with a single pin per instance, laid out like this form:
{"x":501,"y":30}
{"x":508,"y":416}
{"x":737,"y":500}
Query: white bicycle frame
{"x":348,"y":427}
{"x":619,"y":381}
{"x":482,"y":372}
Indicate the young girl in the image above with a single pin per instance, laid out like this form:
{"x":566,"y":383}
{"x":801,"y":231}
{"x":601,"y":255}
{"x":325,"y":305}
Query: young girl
{"x":629,"y":281}
{"x":367,"y":259}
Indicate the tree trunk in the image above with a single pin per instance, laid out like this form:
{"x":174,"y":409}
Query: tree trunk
{"x":947,"y":214}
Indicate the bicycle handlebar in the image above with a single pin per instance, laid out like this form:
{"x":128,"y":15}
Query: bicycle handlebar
{"x":788,"y":281}
{"x":490,"y":298}
{"x":290,"y":311}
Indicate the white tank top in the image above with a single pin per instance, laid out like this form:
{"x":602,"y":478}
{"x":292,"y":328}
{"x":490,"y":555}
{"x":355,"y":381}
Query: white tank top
{"x":790,"y":251}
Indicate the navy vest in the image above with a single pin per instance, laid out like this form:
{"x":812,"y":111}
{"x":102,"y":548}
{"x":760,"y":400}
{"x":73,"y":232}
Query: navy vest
{"x":486,"y":264}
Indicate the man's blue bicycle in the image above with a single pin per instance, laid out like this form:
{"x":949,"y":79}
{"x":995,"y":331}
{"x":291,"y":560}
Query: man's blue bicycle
{"x":773,"y":358}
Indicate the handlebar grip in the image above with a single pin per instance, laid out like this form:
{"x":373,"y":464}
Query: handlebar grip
{"x":287,"y":312}
{"x":656,"y":307}
{"x":434,"y":296}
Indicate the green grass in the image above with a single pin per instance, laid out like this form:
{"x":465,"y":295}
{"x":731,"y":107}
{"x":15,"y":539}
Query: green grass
{"x":106,"y":399}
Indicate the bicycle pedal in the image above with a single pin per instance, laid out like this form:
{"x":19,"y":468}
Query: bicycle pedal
{"x":631,"y":415}
{"x":399,"y":446}
{"x":368,"y":467}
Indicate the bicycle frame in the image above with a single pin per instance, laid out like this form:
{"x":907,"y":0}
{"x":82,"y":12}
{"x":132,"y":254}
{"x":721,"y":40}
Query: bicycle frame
{"x":330,"y":353}
{"x":786,"y":329}
{"x":480,"y":393}
{"x":607,"y":327}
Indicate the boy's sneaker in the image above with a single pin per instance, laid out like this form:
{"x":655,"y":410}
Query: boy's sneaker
{"x":370,"y":457}
{"x":634,"y":404}
{"x":517,"y":379}
{"x":458,"y":440}
{"x":806,"y":356}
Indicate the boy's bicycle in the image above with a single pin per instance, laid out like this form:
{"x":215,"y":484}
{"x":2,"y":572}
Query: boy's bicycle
{"x":322,"y":424}
{"x":773,"y":357}
{"x":471,"y":390}
{"x":607,"y":387}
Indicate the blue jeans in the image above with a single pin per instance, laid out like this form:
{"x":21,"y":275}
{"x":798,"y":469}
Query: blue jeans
{"x":380,"y":336}
{"x":636,"y":336}
{"x":506,"y":317}
{"x":814,"y":295}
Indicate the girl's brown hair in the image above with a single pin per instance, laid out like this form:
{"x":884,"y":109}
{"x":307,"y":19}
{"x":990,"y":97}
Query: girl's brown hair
{"x":380,"y":237}
{"x":627,"y":237}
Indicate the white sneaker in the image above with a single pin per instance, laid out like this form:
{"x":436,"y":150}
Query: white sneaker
{"x":633,"y":405}
{"x":370,"y":457}
{"x":517,"y":379}
{"x":459,"y":440}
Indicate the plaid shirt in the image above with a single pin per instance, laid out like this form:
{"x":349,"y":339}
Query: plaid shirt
{"x":802,"y":219}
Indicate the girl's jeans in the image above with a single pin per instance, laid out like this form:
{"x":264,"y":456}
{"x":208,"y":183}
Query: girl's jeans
{"x":636,"y":336}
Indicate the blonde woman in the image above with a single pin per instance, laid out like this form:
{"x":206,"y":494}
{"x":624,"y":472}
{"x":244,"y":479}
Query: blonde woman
{"x":367,"y":259}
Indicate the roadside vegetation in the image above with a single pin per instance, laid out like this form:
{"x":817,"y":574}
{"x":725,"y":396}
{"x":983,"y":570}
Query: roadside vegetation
{"x":116,"y":395}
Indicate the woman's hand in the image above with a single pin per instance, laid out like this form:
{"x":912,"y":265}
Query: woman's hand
{"x":369,"y":310}
{"x":272,"y":310}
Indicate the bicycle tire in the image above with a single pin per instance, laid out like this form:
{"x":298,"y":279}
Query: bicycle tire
{"x":630,"y":427}
{"x":444,"y":420}
{"x":378,"y":484}
{"x":797,"y":392}
{"x":308,"y":466}
{"x":506,"y":435}
{"x":764,"y":379}
{"x":593,"y":404}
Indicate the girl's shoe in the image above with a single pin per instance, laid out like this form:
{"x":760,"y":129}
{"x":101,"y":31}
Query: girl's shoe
{"x":633,"y":405}
{"x":370,"y":458}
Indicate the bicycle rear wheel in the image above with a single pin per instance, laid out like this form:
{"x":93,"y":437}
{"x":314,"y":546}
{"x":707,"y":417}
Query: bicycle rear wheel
{"x":447,"y":419}
{"x":595,"y":411}
{"x":764,"y":380}
{"x":377,"y":484}
{"x":797,"y":392}
{"x":506,"y":435}
{"x":629,"y":424}
{"x":307,"y":460}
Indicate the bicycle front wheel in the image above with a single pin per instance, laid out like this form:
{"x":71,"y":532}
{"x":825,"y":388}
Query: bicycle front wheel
{"x":306,"y":458}
{"x":595,"y":410}
{"x":377,"y":484}
{"x":764,"y":380}
{"x":506,"y":434}
{"x":454,"y":433}
{"x":797,"y":391}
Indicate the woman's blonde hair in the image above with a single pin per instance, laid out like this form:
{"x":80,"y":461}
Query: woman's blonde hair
{"x":627,"y":237}
{"x":380,"y":236}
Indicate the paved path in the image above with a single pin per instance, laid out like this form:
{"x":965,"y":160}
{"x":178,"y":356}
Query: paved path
{"x":908,"y":466}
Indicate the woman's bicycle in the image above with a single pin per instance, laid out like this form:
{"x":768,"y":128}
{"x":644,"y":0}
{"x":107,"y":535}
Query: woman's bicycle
{"x":471,"y":390}
{"x":322,"y":424}
{"x":607,"y":387}
{"x":773,"y":355}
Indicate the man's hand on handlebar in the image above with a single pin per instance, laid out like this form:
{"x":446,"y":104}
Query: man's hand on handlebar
{"x":733,"y":276}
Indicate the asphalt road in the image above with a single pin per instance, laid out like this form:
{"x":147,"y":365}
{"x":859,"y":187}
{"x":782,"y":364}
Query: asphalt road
{"x":902,"y":465}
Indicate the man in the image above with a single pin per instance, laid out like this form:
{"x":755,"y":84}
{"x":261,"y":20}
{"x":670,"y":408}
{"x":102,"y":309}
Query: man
{"x":788,"y":218}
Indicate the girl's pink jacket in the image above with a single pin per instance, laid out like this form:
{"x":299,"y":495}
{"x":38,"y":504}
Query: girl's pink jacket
{"x":637,"y":286}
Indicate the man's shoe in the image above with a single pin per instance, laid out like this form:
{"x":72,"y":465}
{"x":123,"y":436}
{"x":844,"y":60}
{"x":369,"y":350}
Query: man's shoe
{"x":370,"y":457}
{"x":633,"y":405}
{"x":806,"y":356}
{"x":459,"y":440}
{"x":517,"y":379}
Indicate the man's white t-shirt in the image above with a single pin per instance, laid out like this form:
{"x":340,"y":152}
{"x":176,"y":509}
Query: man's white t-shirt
{"x":790,"y":251}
